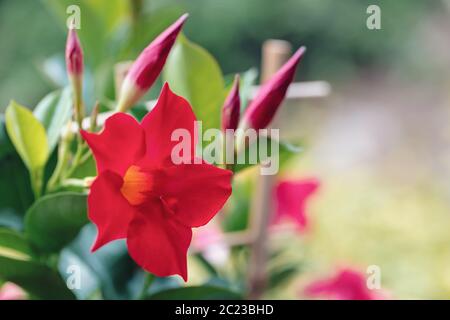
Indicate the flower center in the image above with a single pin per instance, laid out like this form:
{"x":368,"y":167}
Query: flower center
{"x":136,"y":185}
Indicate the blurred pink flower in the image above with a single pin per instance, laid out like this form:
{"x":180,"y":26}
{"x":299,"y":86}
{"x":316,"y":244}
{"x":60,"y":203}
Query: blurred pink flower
{"x":290,"y":198}
{"x":10,"y":291}
{"x":346,"y":284}
{"x":210,"y":241}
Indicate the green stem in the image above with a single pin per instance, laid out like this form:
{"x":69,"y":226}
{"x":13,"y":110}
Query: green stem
{"x":63,"y":158}
{"x":76,"y":160}
{"x":73,"y":183}
{"x":36,"y":177}
{"x":149,"y":278}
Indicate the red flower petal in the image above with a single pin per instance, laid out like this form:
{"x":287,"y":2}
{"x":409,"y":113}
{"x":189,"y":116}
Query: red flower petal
{"x":291,"y":199}
{"x":119,"y":145}
{"x":195,"y":192}
{"x":108,"y":209}
{"x":158,"y":243}
{"x":170,"y":113}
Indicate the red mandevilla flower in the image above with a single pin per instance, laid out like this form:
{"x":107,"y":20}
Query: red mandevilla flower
{"x":148,"y":66}
{"x":347,"y":284}
{"x":290,"y":200}
{"x":142,"y":196}
{"x":262,"y":109}
{"x":232,"y":107}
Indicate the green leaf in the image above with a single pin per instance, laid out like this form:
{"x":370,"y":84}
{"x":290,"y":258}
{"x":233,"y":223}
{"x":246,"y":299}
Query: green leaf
{"x":15,"y":191}
{"x":13,"y":245}
{"x":6,"y":147}
{"x":280,"y":276}
{"x":53,"y":111}
{"x":205,"y":292}
{"x":27,"y":135}
{"x":195,"y":75}
{"x":111,"y":265}
{"x":238,"y":206}
{"x":89,"y":282}
{"x":16,"y":265}
{"x":55,"y":220}
{"x":285,"y":151}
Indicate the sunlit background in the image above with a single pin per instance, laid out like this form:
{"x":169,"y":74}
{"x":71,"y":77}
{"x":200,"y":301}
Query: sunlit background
{"x":379,"y":142}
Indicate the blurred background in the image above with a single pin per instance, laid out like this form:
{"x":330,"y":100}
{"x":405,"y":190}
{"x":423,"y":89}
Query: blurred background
{"x":379,"y":143}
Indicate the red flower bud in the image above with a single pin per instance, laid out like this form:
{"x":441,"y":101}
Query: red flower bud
{"x":231,"y":107}
{"x":74,"y":65}
{"x":263,"y":108}
{"x":148,"y":66}
{"x":74,"y":54}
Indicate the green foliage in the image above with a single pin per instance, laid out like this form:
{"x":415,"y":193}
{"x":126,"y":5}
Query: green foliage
{"x":17,"y":265}
{"x":54,"y":220}
{"x":110,"y":270}
{"x":194,"y":74}
{"x":30,"y":140}
{"x":205,"y":292}
{"x":16,"y":194}
{"x":27,"y":135}
{"x":54,"y":111}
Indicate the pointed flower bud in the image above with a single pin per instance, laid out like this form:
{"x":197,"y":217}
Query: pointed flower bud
{"x":262,"y":109}
{"x":231,"y":107}
{"x":148,"y":66}
{"x":74,"y":65}
{"x":74,"y":54}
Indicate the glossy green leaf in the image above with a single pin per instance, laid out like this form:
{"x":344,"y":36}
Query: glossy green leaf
{"x":69,"y":263}
{"x":14,"y":246}
{"x":16,"y":265}
{"x":194,"y":74}
{"x":111,"y":265}
{"x":15,"y":191}
{"x":27,"y":135}
{"x":205,"y":292}
{"x":55,"y":220}
{"x":238,"y":206}
{"x":53,"y":111}
{"x":282,"y":275}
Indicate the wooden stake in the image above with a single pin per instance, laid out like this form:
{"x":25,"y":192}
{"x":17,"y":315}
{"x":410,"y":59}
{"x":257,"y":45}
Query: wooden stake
{"x":274,"y":54}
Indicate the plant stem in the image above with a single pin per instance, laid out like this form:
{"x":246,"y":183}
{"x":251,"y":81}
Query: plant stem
{"x":149,"y":278}
{"x":76,"y":160}
{"x":36,"y":177}
{"x":63,"y":158}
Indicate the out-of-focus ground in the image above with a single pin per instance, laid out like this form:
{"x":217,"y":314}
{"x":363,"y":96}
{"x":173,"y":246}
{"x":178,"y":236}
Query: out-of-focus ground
{"x":380,"y":145}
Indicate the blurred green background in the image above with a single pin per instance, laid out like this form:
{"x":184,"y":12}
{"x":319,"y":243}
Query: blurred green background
{"x":379,"y":143}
